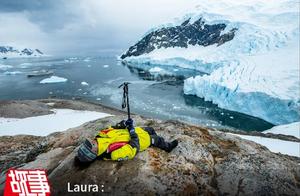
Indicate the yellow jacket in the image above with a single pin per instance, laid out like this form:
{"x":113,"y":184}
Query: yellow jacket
{"x":106,"y":138}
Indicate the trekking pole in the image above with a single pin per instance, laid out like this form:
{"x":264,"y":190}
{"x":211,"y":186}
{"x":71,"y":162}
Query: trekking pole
{"x":125,"y":100}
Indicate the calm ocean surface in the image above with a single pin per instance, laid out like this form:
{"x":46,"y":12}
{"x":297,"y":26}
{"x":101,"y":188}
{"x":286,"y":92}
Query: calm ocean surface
{"x":151,"y":94}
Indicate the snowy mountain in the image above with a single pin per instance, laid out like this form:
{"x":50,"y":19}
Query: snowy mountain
{"x":249,"y":50}
{"x":9,"y":51}
{"x":189,"y":33}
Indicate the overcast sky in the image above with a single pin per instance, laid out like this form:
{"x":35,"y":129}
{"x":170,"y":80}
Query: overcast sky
{"x":83,"y":26}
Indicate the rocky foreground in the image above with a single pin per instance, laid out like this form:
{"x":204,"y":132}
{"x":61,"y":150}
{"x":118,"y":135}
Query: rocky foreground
{"x":206,"y":161}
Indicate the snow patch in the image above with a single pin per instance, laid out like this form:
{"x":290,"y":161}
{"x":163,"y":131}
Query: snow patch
{"x":60,"y":120}
{"x":275,"y":145}
{"x":292,"y":129}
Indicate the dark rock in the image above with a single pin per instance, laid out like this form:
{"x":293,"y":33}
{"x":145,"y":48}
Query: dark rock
{"x":197,"y":33}
{"x":5,"y":49}
{"x":27,"y":51}
{"x":22,"y":109}
{"x":205,"y":162}
{"x":38,"y":51}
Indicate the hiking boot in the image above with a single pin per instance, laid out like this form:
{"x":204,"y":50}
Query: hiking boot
{"x":172,"y":145}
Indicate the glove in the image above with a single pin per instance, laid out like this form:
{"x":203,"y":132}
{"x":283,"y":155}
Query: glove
{"x":129,"y":124}
{"x":120,"y":125}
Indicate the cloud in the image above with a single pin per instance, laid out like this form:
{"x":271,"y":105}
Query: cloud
{"x":78,"y":26}
{"x":48,"y":15}
{"x":17,"y":30}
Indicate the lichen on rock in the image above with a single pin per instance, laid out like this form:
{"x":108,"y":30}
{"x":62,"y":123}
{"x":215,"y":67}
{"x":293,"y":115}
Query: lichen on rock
{"x":206,"y":162}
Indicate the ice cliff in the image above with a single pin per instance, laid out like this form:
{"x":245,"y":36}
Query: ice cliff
{"x":248,"y":50}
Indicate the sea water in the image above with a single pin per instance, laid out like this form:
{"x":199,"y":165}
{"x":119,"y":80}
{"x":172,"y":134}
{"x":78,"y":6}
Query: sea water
{"x":155,"y":91}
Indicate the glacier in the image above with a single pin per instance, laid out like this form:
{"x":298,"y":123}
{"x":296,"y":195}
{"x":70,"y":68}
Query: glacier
{"x":257,"y":72}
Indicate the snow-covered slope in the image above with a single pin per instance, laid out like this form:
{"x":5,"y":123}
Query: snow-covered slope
{"x":292,"y":129}
{"x":9,"y":51}
{"x":60,"y":120}
{"x":275,"y":145}
{"x":256,"y":72}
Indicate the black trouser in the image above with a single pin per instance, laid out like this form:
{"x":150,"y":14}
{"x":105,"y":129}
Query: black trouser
{"x":157,"y":141}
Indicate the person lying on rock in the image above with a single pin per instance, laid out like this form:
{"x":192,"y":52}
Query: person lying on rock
{"x":122,"y":142}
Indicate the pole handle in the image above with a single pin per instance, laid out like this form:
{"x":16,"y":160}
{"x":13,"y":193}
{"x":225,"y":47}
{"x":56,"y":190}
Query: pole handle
{"x":125,"y":103}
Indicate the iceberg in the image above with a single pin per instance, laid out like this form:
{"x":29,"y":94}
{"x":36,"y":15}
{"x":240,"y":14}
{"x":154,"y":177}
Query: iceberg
{"x":53,"y":79}
{"x":12,"y":72}
{"x":5,"y":67}
{"x":84,"y":83}
{"x":256,"y":72}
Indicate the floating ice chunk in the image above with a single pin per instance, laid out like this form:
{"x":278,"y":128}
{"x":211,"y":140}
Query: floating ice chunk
{"x":24,"y":65}
{"x":71,"y":59}
{"x":176,"y":107}
{"x":53,"y":79}
{"x":105,"y":66}
{"x":12,"y":72}
{"x":84,"y":83}
{"x":98,"y":99}
{"x":5,"y":67}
